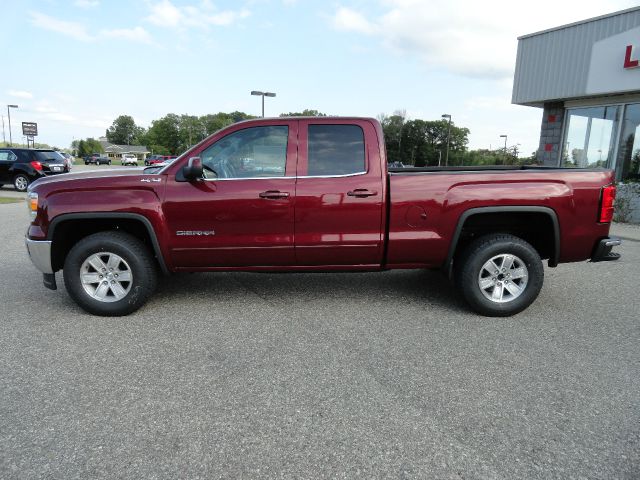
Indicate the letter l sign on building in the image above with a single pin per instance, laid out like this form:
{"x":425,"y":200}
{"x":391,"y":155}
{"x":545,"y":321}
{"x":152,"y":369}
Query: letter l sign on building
{"x":628,"y":62}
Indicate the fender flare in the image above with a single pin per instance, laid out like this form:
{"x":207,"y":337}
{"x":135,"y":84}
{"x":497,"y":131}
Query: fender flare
{"x":113,"y":215}
{"x":553,"y":261}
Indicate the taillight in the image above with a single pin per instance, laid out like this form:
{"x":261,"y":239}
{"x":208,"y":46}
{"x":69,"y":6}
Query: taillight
{"x":607,"y":199}
{"x":37,"y":165}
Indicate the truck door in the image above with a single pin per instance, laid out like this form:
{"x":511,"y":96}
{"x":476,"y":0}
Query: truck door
{"x":241,"y":214}
{"x":339,"y":194}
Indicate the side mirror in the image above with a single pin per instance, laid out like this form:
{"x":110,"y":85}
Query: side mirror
{"x":193,"y":169}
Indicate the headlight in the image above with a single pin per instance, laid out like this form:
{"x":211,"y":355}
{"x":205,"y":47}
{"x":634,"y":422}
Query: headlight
{"x":32,"y":204}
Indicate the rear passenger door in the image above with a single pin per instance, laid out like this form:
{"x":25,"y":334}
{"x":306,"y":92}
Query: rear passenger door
{"x":339,"y":194}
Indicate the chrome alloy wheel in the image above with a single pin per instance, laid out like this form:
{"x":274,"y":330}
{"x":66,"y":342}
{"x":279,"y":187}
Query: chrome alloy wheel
{"x":503,"y":278}
{"x":106,"y":277}
{"x":21,"y":183}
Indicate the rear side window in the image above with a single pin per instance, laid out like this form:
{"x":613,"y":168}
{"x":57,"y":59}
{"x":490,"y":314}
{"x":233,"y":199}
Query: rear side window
{"x":335,"y":150}
{"x":7,"y":156}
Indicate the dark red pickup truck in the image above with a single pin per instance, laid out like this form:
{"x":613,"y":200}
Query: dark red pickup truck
{"x":314,"y":194}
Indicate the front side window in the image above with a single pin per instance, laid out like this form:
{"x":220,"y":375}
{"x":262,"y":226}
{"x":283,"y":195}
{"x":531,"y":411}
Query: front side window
{"x":250,"y":153}
{"x":335,"y":150}
{"x":590,"y":137}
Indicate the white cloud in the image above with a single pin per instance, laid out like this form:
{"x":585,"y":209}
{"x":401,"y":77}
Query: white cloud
{"x":166,"y":14}
{"x":79,"y":31}
{"x":45,"y":107}
{"x":62,"y":117}
{"x":70,"y":29}
{"x":20,"y":94}
{"x":350,"y":20}
{"x":466,"y":37}
{"x":137,"y":34}
{"x":86,"y":3}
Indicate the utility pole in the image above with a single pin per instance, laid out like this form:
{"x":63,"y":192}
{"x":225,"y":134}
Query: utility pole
{"x":4,"y":139}
{"x":9,"y":116}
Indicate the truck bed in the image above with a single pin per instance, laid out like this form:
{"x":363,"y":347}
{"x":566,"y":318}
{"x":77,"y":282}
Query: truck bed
{"x":426,"y":206}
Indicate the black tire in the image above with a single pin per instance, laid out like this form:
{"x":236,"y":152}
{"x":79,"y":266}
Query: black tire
{"x":109,"y":162}
{"x":146,"y":164}
{"x":138,"y":259}
{"x":525,"y":282}
{"x":21,"y":182}
{"x":86,"y":163}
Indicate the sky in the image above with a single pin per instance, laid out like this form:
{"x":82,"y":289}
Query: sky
{"x":74,"y":66}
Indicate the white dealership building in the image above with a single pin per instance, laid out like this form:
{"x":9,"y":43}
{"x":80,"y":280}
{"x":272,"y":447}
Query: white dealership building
{"x":586,"y":78}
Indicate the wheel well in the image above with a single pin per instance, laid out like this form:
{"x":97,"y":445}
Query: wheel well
{"x":536,"y":228}
{"x":69,"y":232}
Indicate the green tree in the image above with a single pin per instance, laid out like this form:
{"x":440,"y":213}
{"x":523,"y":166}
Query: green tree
{"x":192,"y":130}
{"x":422,"y":143}
{"x":124,"y":131}
{"x":305,"y":113}
{"x":392,"y":127}
{"x":214,"y":122}
{"x":164,"y":136}
{"x":89,"y":146}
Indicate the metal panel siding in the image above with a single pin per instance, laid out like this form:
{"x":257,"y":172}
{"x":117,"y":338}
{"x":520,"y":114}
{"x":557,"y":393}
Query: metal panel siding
{"x":554,"y":65}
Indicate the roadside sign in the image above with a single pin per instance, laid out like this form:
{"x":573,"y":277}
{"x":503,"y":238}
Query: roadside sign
{"x":29,"y":129}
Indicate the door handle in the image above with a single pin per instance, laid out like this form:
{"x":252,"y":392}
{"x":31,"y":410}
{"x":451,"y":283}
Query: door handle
{"x":274,"y":194}
{"x":361,"y":193}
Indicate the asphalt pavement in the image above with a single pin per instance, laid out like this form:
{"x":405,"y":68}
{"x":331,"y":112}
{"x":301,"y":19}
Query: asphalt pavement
{"x":372,"y":375}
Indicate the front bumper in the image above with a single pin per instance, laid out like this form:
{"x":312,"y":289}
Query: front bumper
{"x":40,"y":254}
{"x":602,"y":252}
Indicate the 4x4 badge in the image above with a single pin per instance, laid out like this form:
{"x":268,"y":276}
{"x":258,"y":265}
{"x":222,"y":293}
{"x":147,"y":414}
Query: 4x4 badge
{"x":149,"y":180}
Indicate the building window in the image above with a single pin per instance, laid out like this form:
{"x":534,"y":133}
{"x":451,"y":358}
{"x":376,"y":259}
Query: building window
{"x":590,"y":137}
{"x":628,"y":163}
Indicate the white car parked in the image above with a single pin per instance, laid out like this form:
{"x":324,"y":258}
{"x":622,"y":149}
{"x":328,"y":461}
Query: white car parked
{"x":129,"y":159}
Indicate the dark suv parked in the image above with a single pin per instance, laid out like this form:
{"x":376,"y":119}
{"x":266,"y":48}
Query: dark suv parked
{"x":97,"y":159}
{"x":21,"y":166}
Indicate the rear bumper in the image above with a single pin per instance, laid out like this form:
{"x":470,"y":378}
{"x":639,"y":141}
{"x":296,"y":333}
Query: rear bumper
{"x":40,"y":254}
{"x":602,"y":251}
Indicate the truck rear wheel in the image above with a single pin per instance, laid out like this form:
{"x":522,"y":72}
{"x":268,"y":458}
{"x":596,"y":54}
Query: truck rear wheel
{"x":499,"y":275}
{"x":110,"y":274}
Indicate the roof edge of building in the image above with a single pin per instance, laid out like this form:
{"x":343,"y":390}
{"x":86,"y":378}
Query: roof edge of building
{"x":580,"y":22}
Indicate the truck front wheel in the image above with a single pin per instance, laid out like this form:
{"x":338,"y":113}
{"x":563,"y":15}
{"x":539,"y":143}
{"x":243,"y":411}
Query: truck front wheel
{"x":499,"y":275}
{"x":110,"y":274}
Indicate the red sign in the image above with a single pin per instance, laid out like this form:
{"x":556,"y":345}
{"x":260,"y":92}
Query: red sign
{"x":628,"y":62}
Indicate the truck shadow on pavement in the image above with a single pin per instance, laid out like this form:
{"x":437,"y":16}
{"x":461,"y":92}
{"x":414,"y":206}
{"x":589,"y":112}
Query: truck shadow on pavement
{"x":423,"y":287}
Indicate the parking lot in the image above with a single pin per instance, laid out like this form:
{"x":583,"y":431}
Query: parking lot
{"x":384,"y":375}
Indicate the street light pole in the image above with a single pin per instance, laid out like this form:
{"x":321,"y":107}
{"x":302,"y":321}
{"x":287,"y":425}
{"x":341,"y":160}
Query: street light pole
{"x":446,"y":158}
{"x":505,"y":149}
{"x":9,"y":115}
{"x":4,"y":139}
{"x":262,"y":94}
